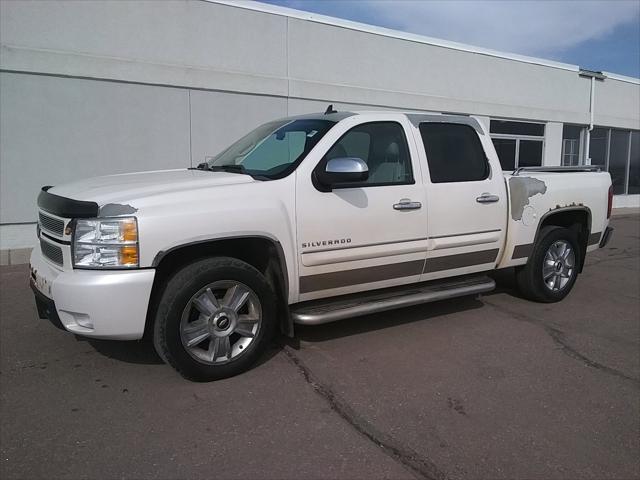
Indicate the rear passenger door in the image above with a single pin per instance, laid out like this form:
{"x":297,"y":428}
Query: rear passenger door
{"x":467,"y":199}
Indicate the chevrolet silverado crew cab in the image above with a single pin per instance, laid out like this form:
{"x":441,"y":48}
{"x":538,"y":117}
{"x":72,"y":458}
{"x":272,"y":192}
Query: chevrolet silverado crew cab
{"x":306,"y":220}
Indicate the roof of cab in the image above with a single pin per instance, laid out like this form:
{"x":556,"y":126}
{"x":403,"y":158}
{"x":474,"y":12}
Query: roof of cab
{"x":414,"y":117}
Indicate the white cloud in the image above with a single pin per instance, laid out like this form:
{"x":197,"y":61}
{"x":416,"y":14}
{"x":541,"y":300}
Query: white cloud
{"x":526,"y":27}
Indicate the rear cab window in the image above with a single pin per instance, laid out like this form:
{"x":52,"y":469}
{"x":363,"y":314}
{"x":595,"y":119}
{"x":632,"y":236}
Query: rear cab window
{"x":454,"y":153}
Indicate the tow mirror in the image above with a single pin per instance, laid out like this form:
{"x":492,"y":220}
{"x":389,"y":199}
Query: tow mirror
{"x":343,"y":170}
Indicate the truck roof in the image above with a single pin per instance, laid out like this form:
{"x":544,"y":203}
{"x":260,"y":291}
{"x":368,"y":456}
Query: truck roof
{"x":415,"y":117}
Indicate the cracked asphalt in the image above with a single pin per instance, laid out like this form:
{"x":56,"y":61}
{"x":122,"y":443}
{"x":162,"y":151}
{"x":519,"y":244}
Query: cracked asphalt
{"x":491,"y":387}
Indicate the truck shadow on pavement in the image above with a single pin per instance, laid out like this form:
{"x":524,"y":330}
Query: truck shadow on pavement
{"x":142,"y":351}
{"x":505,"y":283}
{"x":137,"y":351}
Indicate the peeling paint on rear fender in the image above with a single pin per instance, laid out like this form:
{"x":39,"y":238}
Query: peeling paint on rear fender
{"x":521,"y":189}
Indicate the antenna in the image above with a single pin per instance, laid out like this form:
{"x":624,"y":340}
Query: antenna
{"x":330,"y":110}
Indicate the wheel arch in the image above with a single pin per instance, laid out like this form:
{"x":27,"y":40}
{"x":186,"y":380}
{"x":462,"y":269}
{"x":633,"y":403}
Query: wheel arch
{"x":263,"y":253}
{"x":577,"y":218}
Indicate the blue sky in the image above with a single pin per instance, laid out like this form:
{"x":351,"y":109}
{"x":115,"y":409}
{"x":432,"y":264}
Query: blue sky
{"x":595,"y":34}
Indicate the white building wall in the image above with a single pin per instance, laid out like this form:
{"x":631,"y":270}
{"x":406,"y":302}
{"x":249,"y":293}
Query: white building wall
{"x":91,"y":88}
{"x":207,"y":45}
{"x":58,"y":129}
{"x":219,"y":118}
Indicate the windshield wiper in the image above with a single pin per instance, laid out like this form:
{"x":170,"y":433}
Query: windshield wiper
{"x":228,"y":168}
{"x":221,"y":168}
{"x":201,"y":166}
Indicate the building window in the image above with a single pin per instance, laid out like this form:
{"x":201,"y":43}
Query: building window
{"x":634,"y":164}
{"x":617,"y":151}
{"x":530,"y":153}
{"x":599,"y":146}
{"x":506,"y":149}
{"x":618,"y":159}
{"x":509,"y":127}
{"x":518,"y":144}
{"x":572,"y":145}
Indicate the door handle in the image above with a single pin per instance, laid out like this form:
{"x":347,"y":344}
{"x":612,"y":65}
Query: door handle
{"x":487,"y":198}
{"x":406,"y":204}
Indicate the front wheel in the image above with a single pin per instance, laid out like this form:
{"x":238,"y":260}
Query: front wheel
{"x":552,"y":268}
{"x":215,"y":318}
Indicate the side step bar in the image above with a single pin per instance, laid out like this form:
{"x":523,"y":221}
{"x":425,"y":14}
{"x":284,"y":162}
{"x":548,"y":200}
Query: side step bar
{"x":330,"y":310}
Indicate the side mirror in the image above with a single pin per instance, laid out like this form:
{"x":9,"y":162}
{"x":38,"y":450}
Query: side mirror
{"x":343,"y":170}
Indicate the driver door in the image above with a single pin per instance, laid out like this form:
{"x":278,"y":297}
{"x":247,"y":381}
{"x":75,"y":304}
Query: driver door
{"x":365,"y":235}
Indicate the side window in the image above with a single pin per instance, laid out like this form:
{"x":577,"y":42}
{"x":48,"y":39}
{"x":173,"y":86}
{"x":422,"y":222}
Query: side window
{"x":454,"y":153}
{"x":382,"y":146}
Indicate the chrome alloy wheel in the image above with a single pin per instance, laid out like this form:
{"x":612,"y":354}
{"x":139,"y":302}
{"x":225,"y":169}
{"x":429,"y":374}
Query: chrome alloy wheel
{"x":559,"y":265}
{"x":220,"y":322}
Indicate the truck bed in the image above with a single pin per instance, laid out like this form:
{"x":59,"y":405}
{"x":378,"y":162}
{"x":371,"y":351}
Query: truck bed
{"x":537,"y":192}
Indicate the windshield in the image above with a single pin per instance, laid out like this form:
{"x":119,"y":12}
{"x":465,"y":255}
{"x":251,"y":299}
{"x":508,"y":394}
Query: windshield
{"x":272,"y":150}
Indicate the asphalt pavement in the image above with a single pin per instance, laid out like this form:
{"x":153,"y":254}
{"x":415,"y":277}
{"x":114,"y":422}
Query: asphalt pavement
{"x":493,"y":387}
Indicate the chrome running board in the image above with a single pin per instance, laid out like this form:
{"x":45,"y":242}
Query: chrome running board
{"x":317,"y":312}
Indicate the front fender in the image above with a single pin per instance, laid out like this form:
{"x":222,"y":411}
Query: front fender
{"x":258,"y":210}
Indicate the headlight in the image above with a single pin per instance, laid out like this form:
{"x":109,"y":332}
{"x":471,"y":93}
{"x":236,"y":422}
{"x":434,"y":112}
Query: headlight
{"x":106,"y":243}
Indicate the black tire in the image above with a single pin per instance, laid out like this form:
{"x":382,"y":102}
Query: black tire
{"x":178,"y":293}
{"x":530,"y":278}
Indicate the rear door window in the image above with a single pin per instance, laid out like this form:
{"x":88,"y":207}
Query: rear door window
{"x":454,"y":153}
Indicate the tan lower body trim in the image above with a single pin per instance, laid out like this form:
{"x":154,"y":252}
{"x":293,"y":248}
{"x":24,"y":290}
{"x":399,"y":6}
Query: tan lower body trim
{"x":460,"y":260}
{"x":524,"y":251}
{"x":358,"y":276}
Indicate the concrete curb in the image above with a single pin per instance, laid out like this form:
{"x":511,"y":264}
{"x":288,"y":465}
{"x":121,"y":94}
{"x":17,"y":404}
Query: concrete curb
{"x":15,"y":256}
{"x":625,"y":211}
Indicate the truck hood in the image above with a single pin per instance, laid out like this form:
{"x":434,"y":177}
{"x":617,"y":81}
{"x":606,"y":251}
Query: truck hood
{"x":126,"y":188}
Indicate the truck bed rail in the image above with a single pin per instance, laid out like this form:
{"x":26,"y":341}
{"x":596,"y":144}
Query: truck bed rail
{"x":581,"y":168}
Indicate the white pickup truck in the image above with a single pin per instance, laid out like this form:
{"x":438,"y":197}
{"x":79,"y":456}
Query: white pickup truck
{"x":307,"y":220}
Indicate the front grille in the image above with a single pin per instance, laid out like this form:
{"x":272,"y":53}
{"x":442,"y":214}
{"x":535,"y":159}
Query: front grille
{"x":52,"y":252}
{"x":52,"y":225}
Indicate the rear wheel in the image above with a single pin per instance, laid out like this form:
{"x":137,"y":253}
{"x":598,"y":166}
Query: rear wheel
{"x":215,"y":318}
{"x":552,"y":268}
